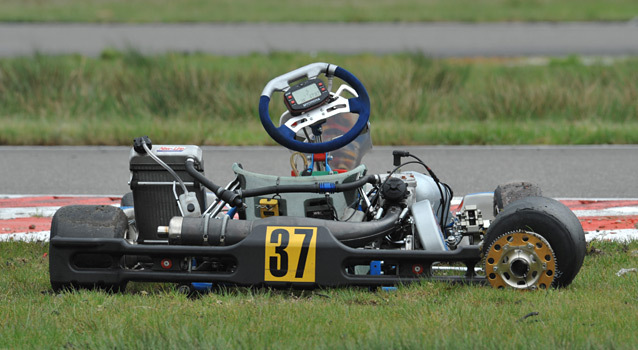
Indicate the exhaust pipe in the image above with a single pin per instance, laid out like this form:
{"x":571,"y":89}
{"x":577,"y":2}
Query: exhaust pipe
{"x":219,"y":232}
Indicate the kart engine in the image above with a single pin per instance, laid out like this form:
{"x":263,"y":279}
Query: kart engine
{"x":420,"y":196}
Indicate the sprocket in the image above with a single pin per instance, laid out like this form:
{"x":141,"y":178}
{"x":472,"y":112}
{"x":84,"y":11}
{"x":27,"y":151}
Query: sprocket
{"x":520,"y":259}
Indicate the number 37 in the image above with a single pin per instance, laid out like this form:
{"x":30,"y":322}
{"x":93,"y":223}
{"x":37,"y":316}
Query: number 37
{"x":290,"y":254}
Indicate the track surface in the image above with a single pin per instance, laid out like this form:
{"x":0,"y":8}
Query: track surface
{"x":433,"y":39}
{"x":28,"y":218}
{"x":566,"y":172}
{"x":561,"y":171}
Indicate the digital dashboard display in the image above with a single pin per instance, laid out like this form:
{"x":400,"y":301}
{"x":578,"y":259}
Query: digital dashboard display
{"x":306,"y":94}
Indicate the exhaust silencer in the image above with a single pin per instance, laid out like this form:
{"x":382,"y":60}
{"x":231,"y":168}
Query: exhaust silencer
{"x":211,"y":231}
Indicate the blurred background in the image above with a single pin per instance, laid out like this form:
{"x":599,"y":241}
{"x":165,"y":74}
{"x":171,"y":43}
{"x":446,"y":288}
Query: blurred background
{"x":456,"y":72}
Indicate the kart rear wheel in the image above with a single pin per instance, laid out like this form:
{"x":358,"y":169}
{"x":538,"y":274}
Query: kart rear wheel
{"x":510,"y":192}
{"x":127,"y":200}
{"x":534,"y":243}
{"x":88,"y":221}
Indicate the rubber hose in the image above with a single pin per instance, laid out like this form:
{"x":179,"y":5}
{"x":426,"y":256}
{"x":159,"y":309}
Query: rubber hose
{"x":227,"y":196}
{"x":309,"y":188}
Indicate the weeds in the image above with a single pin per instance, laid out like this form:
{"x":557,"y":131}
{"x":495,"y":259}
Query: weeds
{"x":211,"y":100}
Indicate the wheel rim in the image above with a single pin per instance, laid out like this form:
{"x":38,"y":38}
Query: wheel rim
{"x":521,"y":260}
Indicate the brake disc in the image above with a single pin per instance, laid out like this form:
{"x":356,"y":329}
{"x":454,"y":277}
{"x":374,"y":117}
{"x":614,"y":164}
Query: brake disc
{"x":522,"y":260}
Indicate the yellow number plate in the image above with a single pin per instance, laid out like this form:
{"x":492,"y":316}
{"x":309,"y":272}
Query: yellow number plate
{"x":290,"y":254}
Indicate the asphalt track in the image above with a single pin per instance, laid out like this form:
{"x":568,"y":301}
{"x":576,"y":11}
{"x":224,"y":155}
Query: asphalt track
{"x":433,"y":39}
{"x":561,"y":171}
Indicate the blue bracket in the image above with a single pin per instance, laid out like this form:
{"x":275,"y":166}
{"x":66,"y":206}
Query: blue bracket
{"x":202,"y":286}
{"x":375,"y":270}
{"x":375,"y":267}
{"x":328,"y":169}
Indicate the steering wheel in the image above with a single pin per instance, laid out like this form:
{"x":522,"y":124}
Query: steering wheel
{"x":285,"y":134}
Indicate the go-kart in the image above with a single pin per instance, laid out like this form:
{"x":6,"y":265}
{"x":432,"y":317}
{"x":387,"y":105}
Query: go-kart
{"x":327,"y":224}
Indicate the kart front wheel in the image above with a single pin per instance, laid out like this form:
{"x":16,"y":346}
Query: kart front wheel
{"x":86,"y":221}
{"x":534,"y":243}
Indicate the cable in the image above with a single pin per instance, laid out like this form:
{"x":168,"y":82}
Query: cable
{"x":351,"y":206}
{"x":293,"y":162}
{"x":438,"y":183}
{"x":164,"y":165}
{"x":335,"y":216}
{"x":397,"y":168}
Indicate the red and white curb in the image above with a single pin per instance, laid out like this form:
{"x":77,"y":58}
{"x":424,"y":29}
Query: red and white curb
{"x":28,"y":218}
{"x":606,"y":219}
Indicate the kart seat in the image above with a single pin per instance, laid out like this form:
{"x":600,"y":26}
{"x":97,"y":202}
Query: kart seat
{"x":299,"y":204}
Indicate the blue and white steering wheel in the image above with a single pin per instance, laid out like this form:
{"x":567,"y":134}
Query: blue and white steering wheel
{"x":285,"y":134}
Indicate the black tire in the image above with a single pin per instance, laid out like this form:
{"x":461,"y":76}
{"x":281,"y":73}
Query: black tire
{"x":510,"y":192}
{"x":88,"y":221}
{"x":550,"y":219}
{"x":127,"y":200}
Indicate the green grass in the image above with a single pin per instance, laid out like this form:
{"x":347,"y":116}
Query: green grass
{"x":212,"y":100}
{"x":598,"y":310}
{"x":306,"y":10}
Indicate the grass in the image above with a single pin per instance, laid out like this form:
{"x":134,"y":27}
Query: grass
{"x":306,"y":10}
{"x":212,"y":100}
{"x":598,"y":310}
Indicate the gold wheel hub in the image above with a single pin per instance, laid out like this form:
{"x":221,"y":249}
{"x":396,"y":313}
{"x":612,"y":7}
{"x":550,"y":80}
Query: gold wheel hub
{"x":521,"y":260}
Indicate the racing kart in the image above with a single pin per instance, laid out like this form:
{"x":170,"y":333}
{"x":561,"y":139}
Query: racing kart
{"x":328,"y":224}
